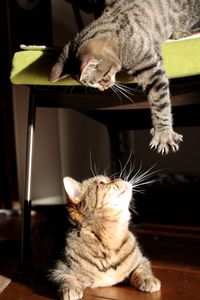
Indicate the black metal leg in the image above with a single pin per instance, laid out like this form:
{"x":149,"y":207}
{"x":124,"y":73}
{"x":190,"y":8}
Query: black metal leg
{"x":26,"y":222}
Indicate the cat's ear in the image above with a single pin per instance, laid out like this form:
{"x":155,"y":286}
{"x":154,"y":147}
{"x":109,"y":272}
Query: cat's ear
{"x":56,"y":71}
{"x":88,"y":65}
{"x":72,"y":190}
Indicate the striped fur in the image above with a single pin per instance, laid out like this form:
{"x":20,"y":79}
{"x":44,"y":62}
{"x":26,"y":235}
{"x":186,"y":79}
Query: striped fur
{"x":100,"y":249}
{"x":128,"y":37}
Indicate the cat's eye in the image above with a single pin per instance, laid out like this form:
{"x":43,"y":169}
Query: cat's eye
{"x":104,"y":80}
{"x":102,"y":182}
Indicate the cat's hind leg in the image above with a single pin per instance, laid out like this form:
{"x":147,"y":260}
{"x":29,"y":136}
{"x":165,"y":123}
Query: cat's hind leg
{"x":143,"y":279}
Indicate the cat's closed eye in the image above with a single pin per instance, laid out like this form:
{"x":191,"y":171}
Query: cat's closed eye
{"x":104,"y":80}
{"x":104,"y":181}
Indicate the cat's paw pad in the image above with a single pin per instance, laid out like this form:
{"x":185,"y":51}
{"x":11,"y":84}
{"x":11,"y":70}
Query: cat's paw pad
{"x":74,"y":293}
{"x":148,"y":284}
{"x":164,"y":140}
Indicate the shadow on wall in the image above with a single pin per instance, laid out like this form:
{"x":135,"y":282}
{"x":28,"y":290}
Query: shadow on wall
{"x":84,"y":145}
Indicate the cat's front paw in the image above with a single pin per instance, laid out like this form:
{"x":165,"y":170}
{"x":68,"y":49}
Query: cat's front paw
{"x":147,"y":284}
{"x":74,"y":293}
{"x":164,"y":140}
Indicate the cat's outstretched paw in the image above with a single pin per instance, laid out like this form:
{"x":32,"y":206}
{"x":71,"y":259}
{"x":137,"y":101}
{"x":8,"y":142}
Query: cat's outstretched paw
{"x":75,"y":293}
{"x":164,"y":140}
{"x":147,"y":284}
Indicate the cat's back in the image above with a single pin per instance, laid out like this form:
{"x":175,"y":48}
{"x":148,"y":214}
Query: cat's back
{"x":161,"y":18}
{"x":193,"y":10}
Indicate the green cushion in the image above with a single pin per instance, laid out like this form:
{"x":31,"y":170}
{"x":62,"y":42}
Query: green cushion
{"x":32,"y":67}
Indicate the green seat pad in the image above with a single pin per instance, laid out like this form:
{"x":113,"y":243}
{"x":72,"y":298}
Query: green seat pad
{"x":32,"y":67}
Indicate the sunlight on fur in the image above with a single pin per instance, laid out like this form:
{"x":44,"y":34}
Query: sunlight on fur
{"x":100,"y":250}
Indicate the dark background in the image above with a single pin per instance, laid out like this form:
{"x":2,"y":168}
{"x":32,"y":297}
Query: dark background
{"x":29,"y":24}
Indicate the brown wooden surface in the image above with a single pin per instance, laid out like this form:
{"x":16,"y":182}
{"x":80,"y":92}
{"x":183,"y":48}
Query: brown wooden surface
{"x":174,"y":252}
{"x":176,"y":285}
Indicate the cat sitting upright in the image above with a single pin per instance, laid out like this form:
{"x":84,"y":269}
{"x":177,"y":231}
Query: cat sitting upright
{"x":128,"y":36}
{"x":100,"y":250}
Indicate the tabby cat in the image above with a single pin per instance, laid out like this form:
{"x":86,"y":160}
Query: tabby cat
{"x":100,"y":249}
{"x":128,"y":36}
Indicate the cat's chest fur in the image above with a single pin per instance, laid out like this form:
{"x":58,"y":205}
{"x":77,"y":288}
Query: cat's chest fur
{"x":112,"y":260}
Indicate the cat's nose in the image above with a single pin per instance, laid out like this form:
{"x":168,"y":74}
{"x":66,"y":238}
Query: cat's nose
{"x":122,"y":184}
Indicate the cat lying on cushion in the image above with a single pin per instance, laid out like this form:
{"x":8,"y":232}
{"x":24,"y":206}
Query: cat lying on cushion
{"x":128,"y":36}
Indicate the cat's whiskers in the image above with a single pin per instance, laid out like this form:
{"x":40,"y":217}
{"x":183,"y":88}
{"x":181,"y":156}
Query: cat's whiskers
{"x":121,"y":89}
{"x":139,"y":179}
{"x":122,"y":93}
{"x":132,"y":208}
{"x":92,"y":167}
{"x":142,"y":178}
{"x":126,"y":88}
{"x":120,"y":166}
{"x":113,"y":88}
{"x":95,"y":169}
{"x":126,"y":164}
{"x":114,"y":175}
{"x":71,"y":89}
{"x":131,"y":168}
{"x":119,"y":93}
{"x":105,"y":171}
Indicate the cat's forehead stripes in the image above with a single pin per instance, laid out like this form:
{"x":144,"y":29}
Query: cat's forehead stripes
{"x":95,"y":190}
{"x":92,"y":186}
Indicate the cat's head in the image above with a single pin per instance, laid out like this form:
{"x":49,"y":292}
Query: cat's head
{"x":98,"y":65}
{"x":98,"y":198}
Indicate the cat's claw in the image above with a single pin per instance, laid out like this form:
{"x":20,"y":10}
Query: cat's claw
{"x":162,"y":141}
